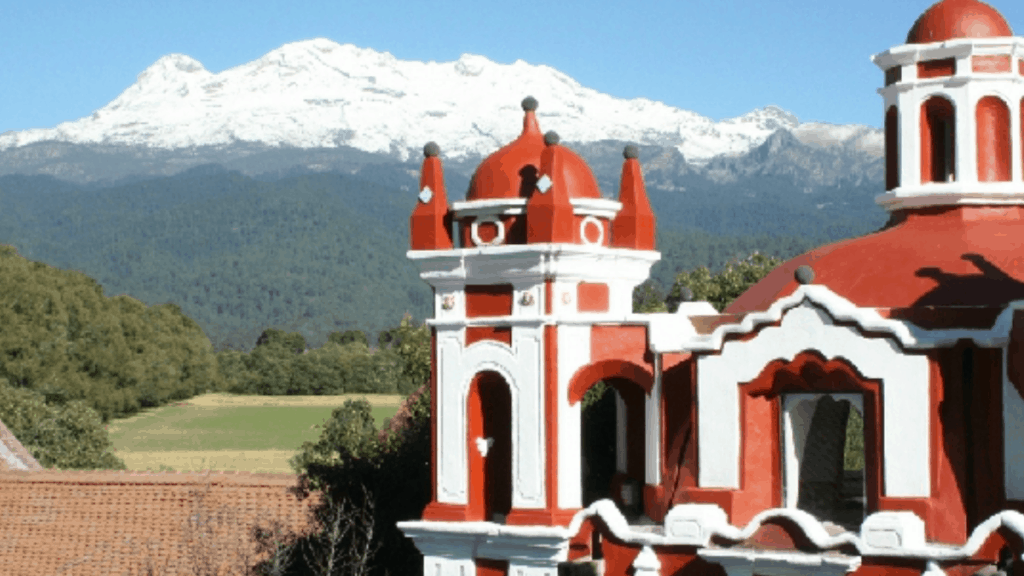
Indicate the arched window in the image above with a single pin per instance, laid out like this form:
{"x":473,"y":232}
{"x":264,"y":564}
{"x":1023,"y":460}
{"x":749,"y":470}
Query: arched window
{"x":892,"y":149}
{"x":489,"y":430}
{"x":992,"y":118}
{"x":938,"y":140}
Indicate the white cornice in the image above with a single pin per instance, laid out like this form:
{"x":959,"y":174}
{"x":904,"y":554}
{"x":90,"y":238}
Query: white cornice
{"x":905,"y":54}
{"x":601,"y":207}
{"x":675,"y":333}
{"x":952,"y":194}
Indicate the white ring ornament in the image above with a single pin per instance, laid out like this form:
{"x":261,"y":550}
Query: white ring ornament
{"x":499,"y":236}
{"x":600,"y":231}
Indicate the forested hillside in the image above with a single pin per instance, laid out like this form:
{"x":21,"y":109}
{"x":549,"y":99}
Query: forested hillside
{"x":324,"y":252}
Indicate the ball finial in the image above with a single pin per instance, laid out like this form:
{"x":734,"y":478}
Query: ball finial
{"x":804,"y":274}
{"x":529,"y":104}
{"x":551,"y":138}
{"x":431,"y":150}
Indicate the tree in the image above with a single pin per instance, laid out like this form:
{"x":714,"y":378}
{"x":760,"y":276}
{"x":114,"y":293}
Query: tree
{"x":67,"y":436}
{"x":722,"y":288}
{"x":348,"y":337}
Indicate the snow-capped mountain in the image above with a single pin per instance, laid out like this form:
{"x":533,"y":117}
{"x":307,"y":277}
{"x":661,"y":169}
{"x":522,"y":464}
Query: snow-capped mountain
{"x":318,"y":93}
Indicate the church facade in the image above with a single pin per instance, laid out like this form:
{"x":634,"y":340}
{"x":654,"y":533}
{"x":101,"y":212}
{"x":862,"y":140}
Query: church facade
{"x":731,"y":449}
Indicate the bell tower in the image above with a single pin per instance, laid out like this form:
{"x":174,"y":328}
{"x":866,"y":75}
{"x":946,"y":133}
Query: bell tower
{"x":954,"y":96}
{"x":522,"y":271}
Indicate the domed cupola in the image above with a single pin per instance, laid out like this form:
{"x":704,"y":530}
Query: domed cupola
{"x":497,"y":210}
{"x":954,"y":98}
{"x":951,"y":19}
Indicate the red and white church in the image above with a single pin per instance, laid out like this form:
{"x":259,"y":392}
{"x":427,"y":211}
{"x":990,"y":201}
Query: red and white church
{"x":731,"y":427}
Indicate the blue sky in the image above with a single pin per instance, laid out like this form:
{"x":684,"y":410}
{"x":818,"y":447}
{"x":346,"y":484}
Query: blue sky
{"x":62,"y":60}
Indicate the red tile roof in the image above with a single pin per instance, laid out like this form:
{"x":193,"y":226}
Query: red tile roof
{"x":114,"y":522}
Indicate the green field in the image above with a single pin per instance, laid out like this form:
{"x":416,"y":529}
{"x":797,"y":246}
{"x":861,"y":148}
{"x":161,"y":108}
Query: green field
{"x":228,"y":432}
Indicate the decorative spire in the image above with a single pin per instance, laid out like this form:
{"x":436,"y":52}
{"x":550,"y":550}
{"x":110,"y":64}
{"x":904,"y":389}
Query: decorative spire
{"x":430,"y":223}
{"x":530,"y":125}
{"x":633,"y":226}
{"x":549,"y":215}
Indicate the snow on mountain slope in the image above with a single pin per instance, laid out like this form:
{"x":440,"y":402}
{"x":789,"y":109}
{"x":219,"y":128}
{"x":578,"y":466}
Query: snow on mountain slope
{"x":318,"y":93}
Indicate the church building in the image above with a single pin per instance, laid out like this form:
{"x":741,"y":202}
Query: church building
{"x":859,"y":410}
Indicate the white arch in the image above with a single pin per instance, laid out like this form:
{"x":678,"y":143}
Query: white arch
{"x":904,"y":382}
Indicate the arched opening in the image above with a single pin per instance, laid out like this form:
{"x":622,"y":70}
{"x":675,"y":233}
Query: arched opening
{"x":613,"y":450}
{"x":992,"y":118}
{"x":892,"y":149}
{"x":823,"y":462}
{"x":938,"y":141}
{"x":489,"y":438}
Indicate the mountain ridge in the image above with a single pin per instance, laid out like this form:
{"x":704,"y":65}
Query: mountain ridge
{"x":321,"y":94}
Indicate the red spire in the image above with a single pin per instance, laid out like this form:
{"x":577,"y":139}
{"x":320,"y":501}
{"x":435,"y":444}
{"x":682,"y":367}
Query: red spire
{"x":633,"y":226}
{"x":548,"y":211}
{"x":430,"y":223}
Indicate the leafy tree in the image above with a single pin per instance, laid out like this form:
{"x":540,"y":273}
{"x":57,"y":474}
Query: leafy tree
{"x":722,"y":288}
{"x":647,"y":298}
{"x":348,"y":336}
{"x":352,"y":461}
{"x":67,"y":436}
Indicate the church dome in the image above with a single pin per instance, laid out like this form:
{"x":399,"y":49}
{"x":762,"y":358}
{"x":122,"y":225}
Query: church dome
{"x":951,"y":19}
{"x":512,"y":171}
{"x":941,"y":256}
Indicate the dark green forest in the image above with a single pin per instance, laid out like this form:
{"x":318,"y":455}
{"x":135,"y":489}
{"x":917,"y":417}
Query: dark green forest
{"x":322,"y":253}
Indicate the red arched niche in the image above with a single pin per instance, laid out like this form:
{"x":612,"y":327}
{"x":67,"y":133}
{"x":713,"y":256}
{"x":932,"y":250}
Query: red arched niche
{"x":938,"y":140}
{"x":892,"y":148}
{"x":808,"y":372}
{"x":632,"y":383}
{"x":489,"y":416}
{"x":992,"y":119}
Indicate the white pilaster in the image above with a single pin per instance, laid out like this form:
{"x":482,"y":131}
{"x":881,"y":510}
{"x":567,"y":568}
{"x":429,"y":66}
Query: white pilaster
{"x":652,"y":430}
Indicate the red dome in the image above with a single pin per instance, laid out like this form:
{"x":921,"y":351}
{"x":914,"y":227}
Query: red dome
{"x":512,"y":171}
{"x":950,"y":19}
{"x":952,"y":256}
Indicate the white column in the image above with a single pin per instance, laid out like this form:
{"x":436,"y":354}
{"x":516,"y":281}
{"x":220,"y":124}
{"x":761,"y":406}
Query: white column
{"x":909,"y":111}
{"x":652,"y":430}
{"x":621,"y":441}
{"x":451,"y":425}
{"x":573,"y":354}
{"x":966,"y":138}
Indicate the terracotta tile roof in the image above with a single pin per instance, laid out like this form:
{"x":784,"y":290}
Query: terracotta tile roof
{"x":114,"y":522}
{"x":14,"y":456}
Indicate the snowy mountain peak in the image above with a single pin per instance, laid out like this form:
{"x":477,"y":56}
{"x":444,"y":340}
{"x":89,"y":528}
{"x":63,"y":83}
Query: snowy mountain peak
{"x":318,"y":93}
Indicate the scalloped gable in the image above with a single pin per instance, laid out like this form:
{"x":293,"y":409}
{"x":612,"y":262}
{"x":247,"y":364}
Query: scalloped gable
{"x":680,"y":331}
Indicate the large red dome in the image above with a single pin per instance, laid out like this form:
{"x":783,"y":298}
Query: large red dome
{"x":950,"y":19}
{"x":512,"y":171}
{"x":951,"y":256}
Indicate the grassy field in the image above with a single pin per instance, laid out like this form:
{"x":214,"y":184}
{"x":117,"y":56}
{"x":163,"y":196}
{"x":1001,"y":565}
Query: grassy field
{"x":229,"y":432}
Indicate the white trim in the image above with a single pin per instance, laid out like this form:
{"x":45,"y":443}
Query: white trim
{"x":499,"y":235}
{"x":701,"y":522}
{"x":573,"y":354}
{"x":600,"y":207}
{"x":652,"y":428}
{"x":674,"y":332}
{"x":490,"y":207}
{"x":583,"y":231}
{"x":906,"y":405}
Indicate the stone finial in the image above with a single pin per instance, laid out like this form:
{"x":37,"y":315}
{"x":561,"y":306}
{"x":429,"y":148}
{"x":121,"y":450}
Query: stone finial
{"x":431,"y":150}
{"x":551,"y":138}
{"x":804,"y":274}
{"x":631,"y":151}
{"x":530,"y":104}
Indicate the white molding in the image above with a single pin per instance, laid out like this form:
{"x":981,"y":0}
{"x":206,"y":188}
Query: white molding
{"x":652,"y":428}
{"x":583,"y":231}
{"x":602,"y":207}
{"x":499,"y":235}
{"x":906,"y":405}
{"x":708,"y":520}
{"x":573,"y":354}
{"x":674,"y":333}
